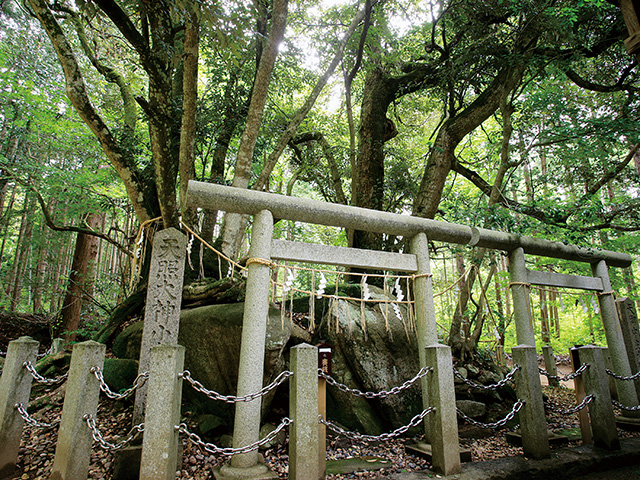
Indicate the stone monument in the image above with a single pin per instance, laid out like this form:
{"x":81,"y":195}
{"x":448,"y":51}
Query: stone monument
{"x":164,"y":295}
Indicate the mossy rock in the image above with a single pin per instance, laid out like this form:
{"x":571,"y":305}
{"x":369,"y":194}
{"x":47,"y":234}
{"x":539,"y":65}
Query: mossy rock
{"x":127,"y":343}
{"x":120,"y":373}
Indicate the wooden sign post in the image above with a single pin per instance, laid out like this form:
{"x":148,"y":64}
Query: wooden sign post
{"x":324,"y":364}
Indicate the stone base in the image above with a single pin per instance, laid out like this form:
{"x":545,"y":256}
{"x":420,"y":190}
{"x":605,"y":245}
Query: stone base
{"x":257,"y":472}
{"x":126,"y":463}
{"x":350,"y":465}
{"x":516,"y":439}
{"x":423,"y":450}
{"x":628,"y":423}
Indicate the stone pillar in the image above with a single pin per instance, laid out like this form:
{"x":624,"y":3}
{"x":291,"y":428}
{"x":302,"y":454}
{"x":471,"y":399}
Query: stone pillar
{"x":520,"y":294}
{"x":246,"y":429}
{"x":615,"y":341}
{"x":596,"y":383}
{"x":426,"y":326}
{"x":578,"y":382}
{"x":631,"y":334}
{"x":15,"y":387}
{"x":57,"y":346}
{"x":162,"y":414}
{"x":443,"y":422}
{"x":162,"y":307}
{"x":303,"y":410}
{"x":73,"y":450}
{"x":550,"y":364}
{"x":533,"y":424}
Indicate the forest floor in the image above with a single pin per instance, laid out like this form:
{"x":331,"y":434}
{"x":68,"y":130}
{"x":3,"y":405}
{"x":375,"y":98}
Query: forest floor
{"x":114,"y":420}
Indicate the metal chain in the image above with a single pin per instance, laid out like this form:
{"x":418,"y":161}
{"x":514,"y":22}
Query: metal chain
{"x":508,"y":378}
{"x":568,"y":376}
{"x":48,"y":352}
{"x":415,"y":421}
{"x":186,"y":375}
{"x":97,"y":436}
{"x":211,"y":448}
{"x":620,"y":377}
{"x":137,"y":383}
{"x":500,"y":423}
{"x":585,"y":401}
{"x":382,"y":394}
{"x":32,"y":421}
{"x":629,"y":409}
{"x":47,"y":381}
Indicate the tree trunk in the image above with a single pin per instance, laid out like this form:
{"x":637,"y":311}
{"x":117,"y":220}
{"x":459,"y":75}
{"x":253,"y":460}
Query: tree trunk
{"x":72,"y":305}
{"x":233,"y":224}
{"x":23,"y":248}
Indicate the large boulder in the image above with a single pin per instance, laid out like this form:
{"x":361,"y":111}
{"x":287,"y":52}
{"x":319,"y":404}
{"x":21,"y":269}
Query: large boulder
{"x":374,"y":350}
{"x":211,"y":336}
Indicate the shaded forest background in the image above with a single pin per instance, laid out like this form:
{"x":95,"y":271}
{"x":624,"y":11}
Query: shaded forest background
{"x":516,"y":116}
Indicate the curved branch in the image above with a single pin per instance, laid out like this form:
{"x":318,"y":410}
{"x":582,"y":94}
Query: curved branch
{"x":588,"y":85}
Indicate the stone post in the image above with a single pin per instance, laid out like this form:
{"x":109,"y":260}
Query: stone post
{"x":15,"y":387}
{"x":630,"y":333}
{"x":578,"y":382}
{"x":596,"y":383}
{"x":246,"y":429}
{"x":303,"y":410}
{"x":162,"y":414}
{"x":162,"y":307}
{"x":533,"y":424}
{"x":615,"y":341}
{"x":57,"y":346}
{"x":550,"y":364}
{"x":520,"y":294}
{"x":426,"y":326}
{"x":73,"y":450}
{"x":443,"y":422}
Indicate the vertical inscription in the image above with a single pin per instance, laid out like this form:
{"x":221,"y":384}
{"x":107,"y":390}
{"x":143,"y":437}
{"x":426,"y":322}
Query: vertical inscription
{"x":629,"y":325}
{"x":164,"y":294}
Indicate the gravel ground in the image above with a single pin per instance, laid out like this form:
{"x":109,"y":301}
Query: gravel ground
{"x":114,"y":419}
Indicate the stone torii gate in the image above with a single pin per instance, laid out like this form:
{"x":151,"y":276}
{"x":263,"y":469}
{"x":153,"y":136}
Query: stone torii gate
{"x":441,"y":430}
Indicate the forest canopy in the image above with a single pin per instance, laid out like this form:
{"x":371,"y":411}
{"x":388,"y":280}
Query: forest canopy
{"x":519,"y":116}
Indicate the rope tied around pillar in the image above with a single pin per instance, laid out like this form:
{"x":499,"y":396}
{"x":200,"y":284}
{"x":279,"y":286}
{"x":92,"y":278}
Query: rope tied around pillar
{"x":522,"y":284}
{"x":260,"y":261}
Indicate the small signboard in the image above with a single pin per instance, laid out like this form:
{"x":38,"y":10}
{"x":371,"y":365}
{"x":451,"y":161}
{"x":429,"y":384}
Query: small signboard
{"x":324,"y":358}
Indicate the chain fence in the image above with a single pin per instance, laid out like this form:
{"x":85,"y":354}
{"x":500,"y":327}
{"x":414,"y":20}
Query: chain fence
{"x":186,"y":375}
{"x":500,"y":423}
{"x":137,"y":383}
{"x":568,"y":376}
{"x":620,"y":377}
{"x":585,"y":401}
{"x":228,"y":451}
{"x":624,"y":407}
{"x":39,"y":378}
{"x":32,"y":421}
{"x":415,"y":421}
{"x":381,"y":394}
{"x":507,"y":378}
{"x":102,"y":442}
